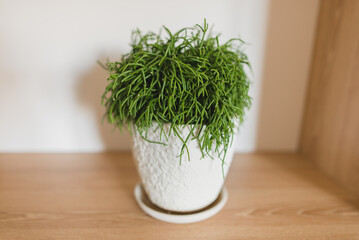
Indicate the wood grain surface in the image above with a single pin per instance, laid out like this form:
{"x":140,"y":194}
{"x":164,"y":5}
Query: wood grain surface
{"x":90,"y":196}
{"x":331,"y":123}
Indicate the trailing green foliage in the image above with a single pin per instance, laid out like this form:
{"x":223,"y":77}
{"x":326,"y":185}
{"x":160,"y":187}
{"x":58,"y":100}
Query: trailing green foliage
{"x":186,"y":79}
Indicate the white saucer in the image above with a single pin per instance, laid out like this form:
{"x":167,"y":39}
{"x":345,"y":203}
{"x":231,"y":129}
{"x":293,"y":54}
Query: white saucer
{"x":179,"y":217}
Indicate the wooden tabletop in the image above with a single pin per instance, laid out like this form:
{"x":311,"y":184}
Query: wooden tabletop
{"x":90,"y":196}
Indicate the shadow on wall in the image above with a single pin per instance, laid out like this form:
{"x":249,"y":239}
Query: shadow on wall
{"x":89,"y":90}
{"x":286,"y":64}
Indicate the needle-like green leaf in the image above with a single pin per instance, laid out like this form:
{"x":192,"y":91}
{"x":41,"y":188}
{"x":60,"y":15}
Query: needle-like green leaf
{"x":184,"y":79}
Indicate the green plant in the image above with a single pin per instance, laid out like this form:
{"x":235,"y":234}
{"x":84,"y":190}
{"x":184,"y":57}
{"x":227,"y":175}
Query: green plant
{"x":186,"y":79}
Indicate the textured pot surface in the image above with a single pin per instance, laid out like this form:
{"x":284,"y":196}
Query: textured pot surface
{"x":188,"y":186}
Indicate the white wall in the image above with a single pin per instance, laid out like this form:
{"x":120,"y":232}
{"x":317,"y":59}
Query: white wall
{"x":50,"y":85}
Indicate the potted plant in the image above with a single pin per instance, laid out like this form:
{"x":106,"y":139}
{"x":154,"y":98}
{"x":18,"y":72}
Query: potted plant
{"x":182,"y":97}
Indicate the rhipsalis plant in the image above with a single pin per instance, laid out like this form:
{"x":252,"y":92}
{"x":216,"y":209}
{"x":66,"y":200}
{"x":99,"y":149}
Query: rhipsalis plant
{"x":186,"y":78}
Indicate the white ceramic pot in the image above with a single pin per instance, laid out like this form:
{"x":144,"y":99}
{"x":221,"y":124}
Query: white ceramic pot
{"x":189,"y":186}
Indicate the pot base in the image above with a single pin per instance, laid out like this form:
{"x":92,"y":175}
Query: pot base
{"x":179,"y":217}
